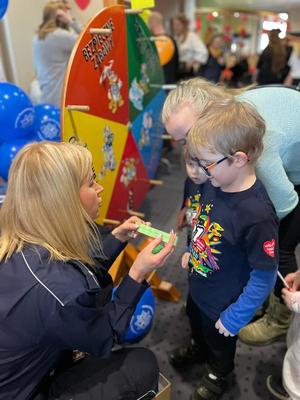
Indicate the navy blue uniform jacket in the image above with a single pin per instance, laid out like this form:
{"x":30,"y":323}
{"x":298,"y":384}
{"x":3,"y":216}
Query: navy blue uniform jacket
{"x":47,"y":307}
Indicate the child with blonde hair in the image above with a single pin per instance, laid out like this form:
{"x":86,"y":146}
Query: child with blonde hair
{"x":233,"y":254}
{"x":279,"y":106}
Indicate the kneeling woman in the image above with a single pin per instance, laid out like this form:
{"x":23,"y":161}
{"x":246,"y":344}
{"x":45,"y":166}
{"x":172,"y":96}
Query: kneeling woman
{"x":55,"y":290}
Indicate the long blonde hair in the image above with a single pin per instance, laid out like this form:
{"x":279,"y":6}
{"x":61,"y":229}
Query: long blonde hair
{"x":42,"y":204}
{"x":50,"y":22}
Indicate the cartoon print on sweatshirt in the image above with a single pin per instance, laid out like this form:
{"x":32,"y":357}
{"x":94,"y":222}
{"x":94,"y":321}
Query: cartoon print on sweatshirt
{"x":192,"y":207}
{"x":205,"y":237}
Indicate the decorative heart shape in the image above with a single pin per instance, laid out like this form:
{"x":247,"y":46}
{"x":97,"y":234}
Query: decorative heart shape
{"x":269,"y":247}
{"x":82,"y":4}
{"x":200,"y":244}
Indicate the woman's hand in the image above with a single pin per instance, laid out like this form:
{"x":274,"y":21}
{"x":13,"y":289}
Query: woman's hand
{"x":147,"y":262}
{"x":64,"y":16}
{"x":128,"y":230}
{"x":291,"y":299}
{"x":293,"y":280}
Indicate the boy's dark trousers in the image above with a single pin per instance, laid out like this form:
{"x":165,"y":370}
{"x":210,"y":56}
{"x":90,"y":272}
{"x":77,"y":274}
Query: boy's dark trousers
{"x":289,"y":238}
{"x":218,"y":350}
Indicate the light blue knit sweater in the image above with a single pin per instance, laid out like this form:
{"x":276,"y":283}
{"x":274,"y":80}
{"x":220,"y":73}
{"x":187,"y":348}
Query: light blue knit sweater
{"x":279,"y":166}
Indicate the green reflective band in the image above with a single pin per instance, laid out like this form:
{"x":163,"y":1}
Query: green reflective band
{"x":154,"y":233}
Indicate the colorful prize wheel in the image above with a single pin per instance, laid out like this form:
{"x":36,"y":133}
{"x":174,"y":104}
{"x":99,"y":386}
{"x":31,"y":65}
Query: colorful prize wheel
{"x":112,"y":102}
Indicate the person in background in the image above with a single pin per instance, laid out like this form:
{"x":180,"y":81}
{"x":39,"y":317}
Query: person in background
{"x":52,"y":47}
{"x":293,"y":77}
{"x":272,"y":62}
{"x":278,"y":168}
{"x":55,"y":289}
{"x":192,"y":51}
{"x":216,"y":62}
{"x":156,"y":26}
{"x":288,"y":387}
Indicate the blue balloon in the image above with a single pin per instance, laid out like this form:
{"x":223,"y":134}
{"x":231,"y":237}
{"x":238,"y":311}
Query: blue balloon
{"x":8,"y":151}
{"x":16,"y":113}
{"x":3,"y":7}
{"x":47,"y":122}
{"x":141,"y":321}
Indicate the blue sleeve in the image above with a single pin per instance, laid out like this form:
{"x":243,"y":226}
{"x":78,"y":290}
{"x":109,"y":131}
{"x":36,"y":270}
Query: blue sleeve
{"x":240,"y":313}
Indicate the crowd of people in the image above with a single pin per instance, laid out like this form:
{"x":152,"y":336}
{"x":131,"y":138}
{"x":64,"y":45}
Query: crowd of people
{"x":279,"y":63}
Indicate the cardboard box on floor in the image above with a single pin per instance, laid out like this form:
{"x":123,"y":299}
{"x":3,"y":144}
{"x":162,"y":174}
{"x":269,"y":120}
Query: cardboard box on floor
{"x":164,"y":388}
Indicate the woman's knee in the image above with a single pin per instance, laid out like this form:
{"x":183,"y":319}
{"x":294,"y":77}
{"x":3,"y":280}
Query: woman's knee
{"x":143,"y":367}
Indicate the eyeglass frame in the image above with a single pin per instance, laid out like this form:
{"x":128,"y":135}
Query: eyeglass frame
{"x":208,"y":167}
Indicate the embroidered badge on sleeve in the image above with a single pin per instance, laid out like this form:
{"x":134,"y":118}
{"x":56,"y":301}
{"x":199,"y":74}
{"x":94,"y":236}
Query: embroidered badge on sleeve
{"x":269,"y":247}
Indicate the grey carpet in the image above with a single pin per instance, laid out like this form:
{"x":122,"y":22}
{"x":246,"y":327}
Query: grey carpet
{"x":171,"y":329}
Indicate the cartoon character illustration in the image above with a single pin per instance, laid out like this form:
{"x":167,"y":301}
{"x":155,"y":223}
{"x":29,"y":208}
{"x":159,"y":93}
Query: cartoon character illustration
{"x":206,"y":235}
{"x":145,"y":131}
{"x":114,"y":91}
{"x":128,"y":171}
{"x":192,"y":209}
{"x":136,"y":95}
{"x":109,"y":156}
{"x":145,"y":80}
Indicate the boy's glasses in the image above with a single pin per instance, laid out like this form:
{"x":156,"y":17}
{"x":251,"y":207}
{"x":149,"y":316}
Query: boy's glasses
{"x":206,"y":168}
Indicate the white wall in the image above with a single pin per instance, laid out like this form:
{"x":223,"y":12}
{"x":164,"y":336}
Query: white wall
{"x":295,"y":19}
{"x":17,"y":30}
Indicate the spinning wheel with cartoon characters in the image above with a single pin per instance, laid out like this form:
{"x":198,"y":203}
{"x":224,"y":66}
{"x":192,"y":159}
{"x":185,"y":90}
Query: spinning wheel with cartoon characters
{"x":113,"y":96}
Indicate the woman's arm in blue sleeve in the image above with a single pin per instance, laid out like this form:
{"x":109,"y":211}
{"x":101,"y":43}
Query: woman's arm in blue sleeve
{"x":240,"y":313}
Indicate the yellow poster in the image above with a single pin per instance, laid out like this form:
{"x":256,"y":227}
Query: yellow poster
{"x":136,"y":4}
{"x":106,"y":141}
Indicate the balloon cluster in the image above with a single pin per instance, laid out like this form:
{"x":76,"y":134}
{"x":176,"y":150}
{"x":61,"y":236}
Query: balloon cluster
{"x":22,"y":123}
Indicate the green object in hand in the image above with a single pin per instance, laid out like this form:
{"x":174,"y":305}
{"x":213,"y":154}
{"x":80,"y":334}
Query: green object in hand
{"x":154,"y":233}
{"x":158,"y":248}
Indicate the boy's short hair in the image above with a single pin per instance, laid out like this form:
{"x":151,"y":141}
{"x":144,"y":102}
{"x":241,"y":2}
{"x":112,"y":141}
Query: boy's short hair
{"x":228,"y":126}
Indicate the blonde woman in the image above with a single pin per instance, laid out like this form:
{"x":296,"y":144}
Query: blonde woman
{"x":52,"y":47}
{"x":55,"y":290}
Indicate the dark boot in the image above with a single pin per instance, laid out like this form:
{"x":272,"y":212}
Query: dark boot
{"x":211,"y":387}
{"x":187,"y":355}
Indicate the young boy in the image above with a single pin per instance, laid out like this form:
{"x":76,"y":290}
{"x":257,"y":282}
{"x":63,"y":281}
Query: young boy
{"x":233,"y":252}
{"x":190,"y":204}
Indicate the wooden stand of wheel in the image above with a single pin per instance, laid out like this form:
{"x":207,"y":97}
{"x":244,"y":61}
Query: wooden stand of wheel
{"x":162,"y":289}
